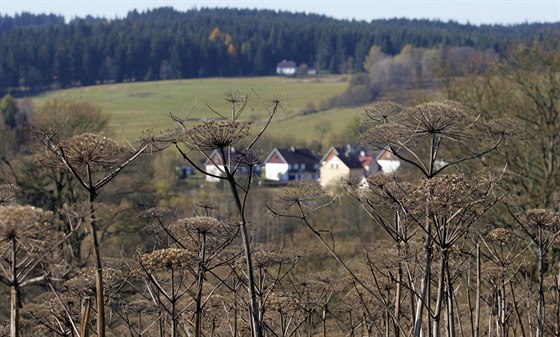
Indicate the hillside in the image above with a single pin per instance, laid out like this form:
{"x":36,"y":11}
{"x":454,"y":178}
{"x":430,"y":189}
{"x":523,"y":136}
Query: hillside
{"x":166,"y":44}
{"x":142,"y":106}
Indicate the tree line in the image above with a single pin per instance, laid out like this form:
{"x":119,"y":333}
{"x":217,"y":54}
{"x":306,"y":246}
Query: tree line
{"x":42,"y":52}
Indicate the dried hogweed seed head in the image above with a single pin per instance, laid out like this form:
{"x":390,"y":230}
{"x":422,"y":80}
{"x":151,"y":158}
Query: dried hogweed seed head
{"x":213,"y":135}
{"x":283,"y":302}
{"x":26,"y":224}
{"x":199,"y":224}
{"x":504,"y":128}
{"x":85,"y":149}
{"x":392,"y":133}
{"x":89,"y":148}
{"x":382,"y":112}
{"x":265,"y":259}
{"x":157,"y":213}
{"x":305,"y":193}
{"x":250,"y":158}
{"x":502,"y":235}
{"x":543,"y":218}
{"x":206,"y":205}
{"x":447,"y":119}
{"x":167,"y":259}
{"x":84,"y":282}
{"x":235,"y":97}
{"x":444,"y":193}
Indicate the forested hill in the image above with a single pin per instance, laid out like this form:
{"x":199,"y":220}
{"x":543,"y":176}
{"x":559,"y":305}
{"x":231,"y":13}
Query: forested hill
{"x":165,"y":44}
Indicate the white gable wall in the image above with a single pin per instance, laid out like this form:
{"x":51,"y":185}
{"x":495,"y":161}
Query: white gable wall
{"x":276,"y":171}
{"x":215,"y":170}
{"x":286,"y":71}
{"x":389,"y":166}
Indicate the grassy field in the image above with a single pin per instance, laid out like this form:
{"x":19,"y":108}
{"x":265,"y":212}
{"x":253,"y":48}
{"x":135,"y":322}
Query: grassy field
{"x":146,"y":105}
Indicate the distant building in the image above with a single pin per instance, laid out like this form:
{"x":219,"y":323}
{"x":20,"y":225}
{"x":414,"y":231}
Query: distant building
{"x":349,"y":162}
{"x":287,"y":164}
{"x":286,"y":68}
{"x":215,"y":165}
{"x":342,"y":163}
{"x":387,"y":161}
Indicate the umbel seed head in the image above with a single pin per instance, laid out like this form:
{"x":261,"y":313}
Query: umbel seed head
{"x":213,"y":135}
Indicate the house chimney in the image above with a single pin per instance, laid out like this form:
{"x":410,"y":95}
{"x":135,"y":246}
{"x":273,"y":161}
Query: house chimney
{"x":348,"y":150}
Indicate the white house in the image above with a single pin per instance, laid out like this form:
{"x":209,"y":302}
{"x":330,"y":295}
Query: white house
{"x":387,"y":161}
{"x":286,"y":68}
{"x":215,"y":165}
{"x":285,"y":164}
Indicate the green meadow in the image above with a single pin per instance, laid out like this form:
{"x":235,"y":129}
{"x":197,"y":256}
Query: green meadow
{"x":146,"y":105}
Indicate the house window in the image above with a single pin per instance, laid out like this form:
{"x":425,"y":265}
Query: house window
{"x":296,"y":166}
{"x":302,"y":166}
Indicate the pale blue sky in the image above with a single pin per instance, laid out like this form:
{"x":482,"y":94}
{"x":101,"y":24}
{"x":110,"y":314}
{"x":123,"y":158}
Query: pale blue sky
{"x":473,"y":11}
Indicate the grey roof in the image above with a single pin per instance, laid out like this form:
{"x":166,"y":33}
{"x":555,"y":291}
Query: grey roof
{"x":350,"y":156}
{"x":294,"y":155}
{"x":286,"y":64}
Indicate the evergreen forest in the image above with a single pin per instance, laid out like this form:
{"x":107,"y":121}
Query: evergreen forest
{"x":43,"y":52}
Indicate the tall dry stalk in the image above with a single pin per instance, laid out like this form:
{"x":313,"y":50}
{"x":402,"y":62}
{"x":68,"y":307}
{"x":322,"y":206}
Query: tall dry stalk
{"x":94,"y":161}
{"x":220,"y":137}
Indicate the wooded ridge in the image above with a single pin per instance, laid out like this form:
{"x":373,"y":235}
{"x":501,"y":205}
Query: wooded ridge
{"x":43,"y":52}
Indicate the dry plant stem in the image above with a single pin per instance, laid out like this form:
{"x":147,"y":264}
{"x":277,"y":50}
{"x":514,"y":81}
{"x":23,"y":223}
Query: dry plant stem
{"x":439,"y":299}
{"x":540,"y":301}
{"x":424,"y":286}
{"x":477,"y":301}
{"x":398,"y":294}
{"x":469,"y":300}
{"x":450,"y":302}
{"x":517,"y":312}
{"x":86,"y":309}
{"x":256,"y":321}
{"x":201,"y":272}
{"x":557,"y":305}
{"x":14,"y":296}
{"x":173,"y":306}
{"x":99,"y":291}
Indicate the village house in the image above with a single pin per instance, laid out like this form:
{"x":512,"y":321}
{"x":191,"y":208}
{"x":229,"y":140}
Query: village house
{"x":387,"y":161}
{"x":286,"y":68}
{"x":215,"y":165}
{"x":287,"y":164}
{"x":343,"y":163}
